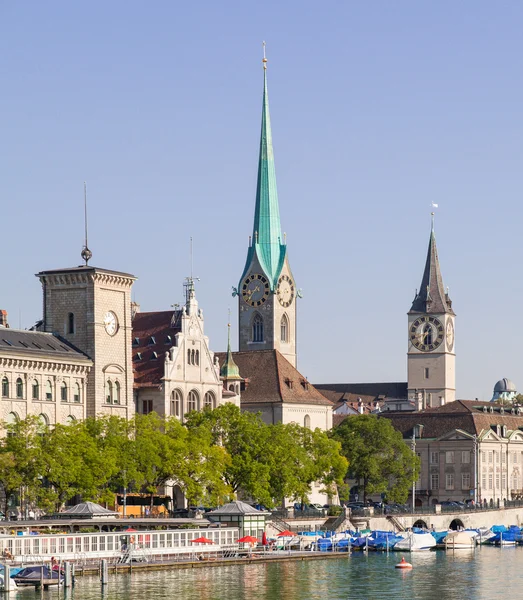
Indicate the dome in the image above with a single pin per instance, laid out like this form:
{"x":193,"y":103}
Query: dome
{"x":504,"y":385}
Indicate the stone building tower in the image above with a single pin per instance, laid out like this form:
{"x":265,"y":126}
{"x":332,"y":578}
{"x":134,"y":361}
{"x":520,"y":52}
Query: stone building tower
{"x":431,"y":357}
{"x":91,"y":308}
{"x":267,"y":291}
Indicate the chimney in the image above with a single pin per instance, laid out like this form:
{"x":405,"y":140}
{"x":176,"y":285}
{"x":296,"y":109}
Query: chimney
{"x":3,"y":319}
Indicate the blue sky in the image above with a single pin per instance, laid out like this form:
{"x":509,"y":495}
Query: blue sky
{"x":378,"y":109}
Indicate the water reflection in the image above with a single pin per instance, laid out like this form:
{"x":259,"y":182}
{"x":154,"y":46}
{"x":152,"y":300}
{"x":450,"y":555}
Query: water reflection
{"x":484,"y":573}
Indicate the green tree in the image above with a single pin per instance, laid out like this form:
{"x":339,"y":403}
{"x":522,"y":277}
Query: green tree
{"x":378,"y":457}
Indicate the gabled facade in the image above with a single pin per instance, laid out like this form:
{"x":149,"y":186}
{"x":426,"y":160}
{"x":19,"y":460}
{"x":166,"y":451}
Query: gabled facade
{"x":267,"y":291}
{"x":431,"y":354}
{"x":175,"y":371}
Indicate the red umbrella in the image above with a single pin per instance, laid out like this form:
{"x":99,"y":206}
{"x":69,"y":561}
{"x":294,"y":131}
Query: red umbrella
{"x":264,"y":539}
{"x":286,"y":533}
{"x":248,"y":539}
{"x":131,"y":529}
{"x":202,"y":540}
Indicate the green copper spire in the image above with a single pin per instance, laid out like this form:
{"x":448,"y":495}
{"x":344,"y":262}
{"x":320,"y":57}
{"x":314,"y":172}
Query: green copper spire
{"x":267,"y":242}
{"x":229,"y":369}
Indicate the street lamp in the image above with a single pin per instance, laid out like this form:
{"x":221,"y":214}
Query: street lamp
{"x":413,"y":447}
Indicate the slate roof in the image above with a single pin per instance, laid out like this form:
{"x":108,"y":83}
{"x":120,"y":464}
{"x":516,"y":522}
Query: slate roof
{"x":467,"y":415}
{"x":432,"y":298}
{"x":337,"y":392}
{"x":153,"y":332}
{"x":272,"y":379}
{"x":38,"y":343}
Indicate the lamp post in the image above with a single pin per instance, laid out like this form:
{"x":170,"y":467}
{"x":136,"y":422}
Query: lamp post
{"x":413,"y":447}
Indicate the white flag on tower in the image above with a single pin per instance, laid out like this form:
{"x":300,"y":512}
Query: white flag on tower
{"x":433,"y":205}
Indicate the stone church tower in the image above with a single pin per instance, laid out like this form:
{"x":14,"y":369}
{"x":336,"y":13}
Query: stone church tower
{"x":431,"y":357}
{"x":267,"y":291}
{"x":91,"y":308}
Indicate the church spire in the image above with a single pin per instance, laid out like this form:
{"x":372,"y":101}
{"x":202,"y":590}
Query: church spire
{"x":432,"y":297}
{"x":267,"y":241}
{"x":229,"y":370}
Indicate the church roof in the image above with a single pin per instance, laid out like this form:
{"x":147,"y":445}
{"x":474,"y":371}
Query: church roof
{"x":471,"y":416}
{"x":432,"y":298}
{"x":267,"y":243}
{"x":270,"y":378}
{"x":505,"y":385}
{"x":38,"y":343}
{"x":229,"y":369}
{"x":153,"y":334}
{"x":339,"y":392}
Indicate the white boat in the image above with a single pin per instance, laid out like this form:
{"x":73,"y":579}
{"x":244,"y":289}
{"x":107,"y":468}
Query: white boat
{"x":459,"y":540}
{"x":415,"y":542}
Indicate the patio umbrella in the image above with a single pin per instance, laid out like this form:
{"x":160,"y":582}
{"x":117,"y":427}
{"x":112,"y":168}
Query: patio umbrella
{"x":264,"y":539}
{"x":202,"y":540}
{"x":286,"y":533}
{"x":248,"y":539}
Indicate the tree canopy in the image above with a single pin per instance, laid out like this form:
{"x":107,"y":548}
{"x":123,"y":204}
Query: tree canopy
{"x":378,"y":457}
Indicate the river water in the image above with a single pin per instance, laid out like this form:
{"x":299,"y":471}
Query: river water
{"x":484,"y":573}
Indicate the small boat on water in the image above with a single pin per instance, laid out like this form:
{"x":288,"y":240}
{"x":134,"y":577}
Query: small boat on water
{"x":459,"y":540}
{"x":415,"y":542}
{"x":38,"y":575}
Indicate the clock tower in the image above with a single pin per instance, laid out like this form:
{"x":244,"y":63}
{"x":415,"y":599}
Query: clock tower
{"x":267,"y":291}
{"x":431,"y":355}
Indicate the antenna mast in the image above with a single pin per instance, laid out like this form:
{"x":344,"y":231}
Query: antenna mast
{"x":86,"y":254}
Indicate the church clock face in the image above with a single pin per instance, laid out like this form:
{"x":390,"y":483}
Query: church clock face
{"x":110,"y":323}
{"x":255,"y":289}
{"x":450,"y":335}
{"x":285,"y":291}
{"x":426,"y":333}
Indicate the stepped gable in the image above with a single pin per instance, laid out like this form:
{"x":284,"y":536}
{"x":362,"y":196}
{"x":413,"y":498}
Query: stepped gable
{"x":153,"y":334}
{"x":471,"y":416}
{"x":270,"y":378}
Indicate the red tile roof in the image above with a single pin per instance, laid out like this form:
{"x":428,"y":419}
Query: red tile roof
{"x":272,"y":379}
{"x":152,"y":332}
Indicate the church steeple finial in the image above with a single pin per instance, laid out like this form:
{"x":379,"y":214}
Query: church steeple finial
{"x":432,"y":297}
{"x":229,"y":368}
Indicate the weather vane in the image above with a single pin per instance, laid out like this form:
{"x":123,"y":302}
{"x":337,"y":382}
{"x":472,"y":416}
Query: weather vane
{"x":86,"y":254}
{"x":264,"y":61}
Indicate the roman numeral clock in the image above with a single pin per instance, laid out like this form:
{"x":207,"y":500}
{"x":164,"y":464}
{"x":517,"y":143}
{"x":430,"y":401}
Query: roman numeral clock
{"x":427,"y":333}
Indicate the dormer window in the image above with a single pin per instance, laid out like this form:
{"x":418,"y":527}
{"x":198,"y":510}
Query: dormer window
{"x":136,"y":341}
{"x":138,"y":356}
{"x":154,"y":356}
{"x":288,"y":383}
{"x":304,"y":384}
{"x":152,"y":341}
{"x":168,"y":340}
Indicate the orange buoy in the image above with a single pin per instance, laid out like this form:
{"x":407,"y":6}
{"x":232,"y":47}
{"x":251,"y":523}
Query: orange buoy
{"x":403,"y":564}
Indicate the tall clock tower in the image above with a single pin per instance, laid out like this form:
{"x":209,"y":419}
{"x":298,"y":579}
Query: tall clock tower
{"x":91,"y":308}
{"x":267,"y":291}
{"x":431,"y":355}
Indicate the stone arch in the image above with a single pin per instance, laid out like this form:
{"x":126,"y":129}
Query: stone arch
{"x":420,"y":523}
{"x":209,"y":400}
{"x":43,"y":420}
{"x":434,"y":501}
{"x":11,"y":418}
{"x":456,"y":524}
{"x":71,"y":420}
{"x":193,"y":401}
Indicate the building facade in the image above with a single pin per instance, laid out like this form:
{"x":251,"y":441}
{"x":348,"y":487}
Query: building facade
{"x":469,"y":450}
{"x":431,"y":357}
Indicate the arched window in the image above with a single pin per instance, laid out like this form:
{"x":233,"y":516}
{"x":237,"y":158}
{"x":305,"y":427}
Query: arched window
{"x":76,"y":395}
{"x":208,"y":401}
{"x":193,"y":357}
{"x":5,"y":387}
{"x":284,"y":329}
{"x":36,"y":390}
{"x":176,"y":403}
{"x":19,"y":388}
{"x":63,"y":392}
{"x":109,"y":392}
{"x":48,"y":391}
{"x":257,"y":329}
{"x":231,"y":388}
{"x":116,"y":392}
{"x":427,"y":330}
{"x":188,"y":356}
{"x":11,"y":420}
{"x":197,"y":357}
{"x":43,"y":421}
{"x":307,"y":422}
{"x":71,"y":420}
{"x":70,"y":323}
{"x":192,"y":400}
